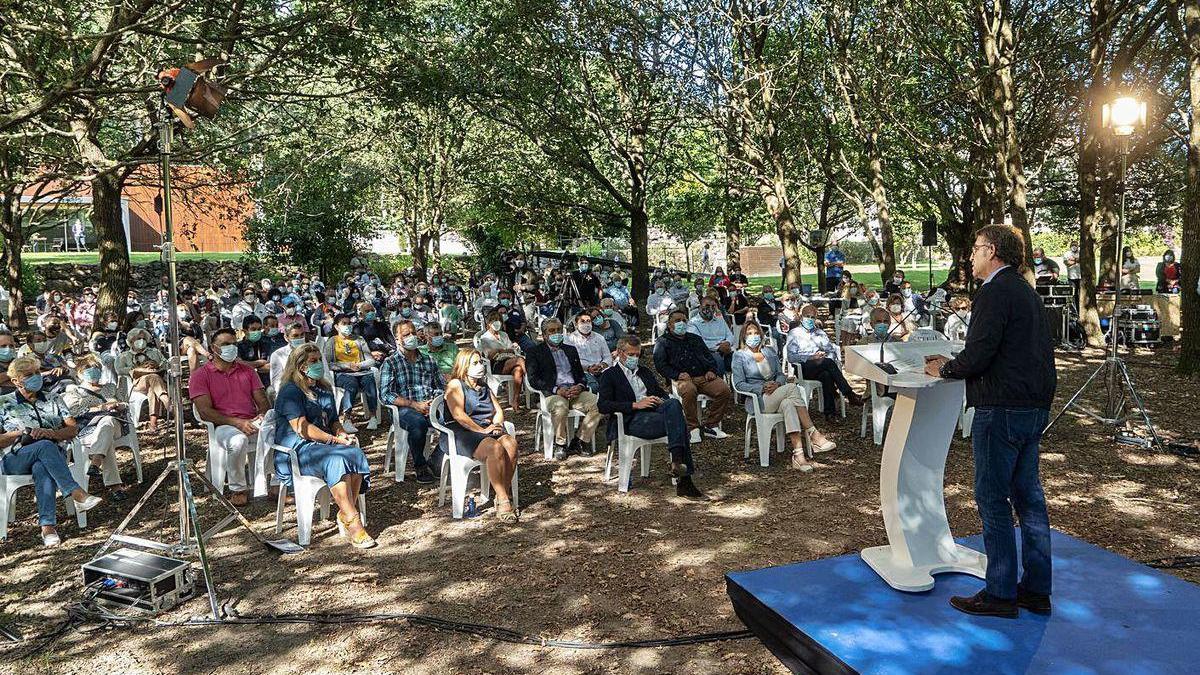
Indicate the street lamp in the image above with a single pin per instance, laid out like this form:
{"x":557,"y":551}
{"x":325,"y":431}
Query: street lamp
{"x":1123,"y":116}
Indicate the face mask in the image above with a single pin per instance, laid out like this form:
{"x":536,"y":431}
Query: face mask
{"x":476,"y":371}
{"x":369,"y":316}
{"x":437,"y":341}
{"x":296,"y":342}
{"x":410,"y":342}
{"x":139,"y":345}
{"x":272,"y":332}
{"x":753,"y":340}
{"x":228,"y":353}
{"x":895,"y":309}
{"x":315,"y":370}
{"x":496,"y":325}
{"x":707,"y":313}
{"x":556,"y":339}
{"x":631,"y":363}
{"x":808,"y":322}
{"x":254,"y":335}
{"x":6,"y":353}
{"x":290,"y":311}
{"x":33,"y":383}
{"x":881,"y":329}
{"x":345,"y":329}
{"x":92,"y":375}
{"x":41,"y":347}
{"x":680,"y":328}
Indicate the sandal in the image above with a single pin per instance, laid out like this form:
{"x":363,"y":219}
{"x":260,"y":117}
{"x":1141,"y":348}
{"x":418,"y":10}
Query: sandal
{"x":509,"y":516}
{"x":358,"y":540}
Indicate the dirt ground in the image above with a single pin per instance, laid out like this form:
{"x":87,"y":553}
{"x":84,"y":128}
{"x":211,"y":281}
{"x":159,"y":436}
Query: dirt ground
{"x":585,"y":563}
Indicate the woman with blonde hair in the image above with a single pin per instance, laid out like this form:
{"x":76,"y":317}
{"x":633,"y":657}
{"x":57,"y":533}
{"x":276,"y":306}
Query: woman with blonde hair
{"x":102,"y":420}
{"x":33,"y":427}
{"x":756,"y":370}
{"x":474,"y":416}
{"x":145,"y":365}
{"x":306,"y":420}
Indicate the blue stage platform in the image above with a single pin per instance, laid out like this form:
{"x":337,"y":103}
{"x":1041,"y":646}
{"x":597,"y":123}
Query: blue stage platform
{"x":1111,"y":616}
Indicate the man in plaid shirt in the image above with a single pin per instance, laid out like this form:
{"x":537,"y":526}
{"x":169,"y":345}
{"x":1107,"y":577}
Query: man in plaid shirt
{"x":410,"y":380}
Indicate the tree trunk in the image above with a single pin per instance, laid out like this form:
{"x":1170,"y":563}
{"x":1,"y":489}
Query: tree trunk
{"x":1189,"y":355}
{"x":885,"y":249}
{"x":115,"y":271}
{"x":13,"y":241}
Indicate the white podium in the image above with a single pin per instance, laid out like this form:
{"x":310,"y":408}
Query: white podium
{"x":914,"y":463}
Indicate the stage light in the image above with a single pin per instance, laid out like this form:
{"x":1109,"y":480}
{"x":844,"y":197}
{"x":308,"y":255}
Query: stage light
{"x":1124,"y":115}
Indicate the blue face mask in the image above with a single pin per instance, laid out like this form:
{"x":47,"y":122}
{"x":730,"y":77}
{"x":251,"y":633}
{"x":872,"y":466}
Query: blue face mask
{"x":680,"y":328}
{"x":631,"y":362}
{"x":808,"y":322}
{"x":753,"y":340}
{"x":881,"y":329}
{"x":556,"y":339}
{"x":33,"y":383}
{"x":315,"y":371}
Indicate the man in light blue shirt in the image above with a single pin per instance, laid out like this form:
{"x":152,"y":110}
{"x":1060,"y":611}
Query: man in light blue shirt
{"x":711,"y":327}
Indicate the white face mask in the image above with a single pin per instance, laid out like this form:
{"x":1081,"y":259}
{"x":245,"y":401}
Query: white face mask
{"x":476,"y":371}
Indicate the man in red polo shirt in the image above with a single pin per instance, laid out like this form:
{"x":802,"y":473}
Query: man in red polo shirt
{"x":230,"y":394}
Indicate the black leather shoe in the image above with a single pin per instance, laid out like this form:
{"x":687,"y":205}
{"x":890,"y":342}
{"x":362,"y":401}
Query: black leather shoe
{"x":684,"y":487}
{"x":560,"y":452}
{"x":1034,"y":602}
{"x":982,"y":604}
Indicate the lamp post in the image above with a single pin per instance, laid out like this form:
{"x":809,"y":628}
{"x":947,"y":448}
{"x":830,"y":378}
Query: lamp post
{"x":1122,"y":116}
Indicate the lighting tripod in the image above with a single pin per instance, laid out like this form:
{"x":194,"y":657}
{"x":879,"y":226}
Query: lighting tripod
{"x":1113,"y":375}
{"x":191,"y":540}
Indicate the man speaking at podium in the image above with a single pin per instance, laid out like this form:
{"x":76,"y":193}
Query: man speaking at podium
{"x":1008,"y":365}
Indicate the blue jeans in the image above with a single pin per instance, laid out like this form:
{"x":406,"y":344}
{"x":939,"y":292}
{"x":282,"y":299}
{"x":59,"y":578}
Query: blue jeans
{"x":665,"y":420}
{"x":1005,"y":442}
{"x":351,"y":385}
{"x":45,"y":460}
{"x":417,"y":426}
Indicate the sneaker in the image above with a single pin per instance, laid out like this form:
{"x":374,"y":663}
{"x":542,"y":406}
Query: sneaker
{"x":560,"y":452}
{"x":90,"y":502}
{"x":1034,"y":602}
{"x":348,"y":427}
{"x":51,"y":539}
{"x":982,"y":604}
{"x":684,"y":487}
{"x":372,"y":424}
{"x":424,"y":475}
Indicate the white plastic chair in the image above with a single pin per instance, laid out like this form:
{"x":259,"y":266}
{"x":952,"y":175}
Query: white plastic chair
{"x":456,"y":469}
{"x":878,"y":414}
{"x":215,"y":464}
{"x":765,"y":424}
{"x":397,"y":445}
{"x":627,"y":446}
{"x":307,"y":490}
{"x":10,"y":483}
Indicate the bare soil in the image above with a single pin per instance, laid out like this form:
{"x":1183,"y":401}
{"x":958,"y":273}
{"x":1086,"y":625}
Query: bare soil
{"x":584,"y":563}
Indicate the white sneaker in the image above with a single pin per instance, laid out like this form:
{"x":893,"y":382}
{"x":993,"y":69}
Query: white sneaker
{"x":348,"y":427}
{"x":89,"y":503}
{"x":51,"y":539}
{"x":372,"y":424}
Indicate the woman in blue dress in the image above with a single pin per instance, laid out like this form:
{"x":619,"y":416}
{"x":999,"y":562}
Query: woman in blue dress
{"x":306,"y":420}
{"x":474,"y":416}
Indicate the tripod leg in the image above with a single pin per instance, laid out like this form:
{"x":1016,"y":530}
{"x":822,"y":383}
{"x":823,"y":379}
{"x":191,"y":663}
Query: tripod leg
{"x":1074,"y":397}
{"x":209,"y":586}
{"x":1137,"y":399}
{"x":136,"y":507}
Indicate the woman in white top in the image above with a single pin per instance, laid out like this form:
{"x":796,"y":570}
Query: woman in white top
{"x":505,"y":357}
{"x":756,"y":370}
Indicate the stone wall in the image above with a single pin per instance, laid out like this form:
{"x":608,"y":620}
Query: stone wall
{"x":147,"y":277}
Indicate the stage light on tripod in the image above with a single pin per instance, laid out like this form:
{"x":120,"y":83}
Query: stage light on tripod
{"x":1124,"y":115}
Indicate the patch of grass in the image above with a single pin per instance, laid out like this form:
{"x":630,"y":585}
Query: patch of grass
{"x":137,"y":257}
